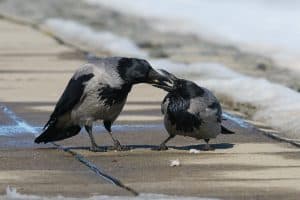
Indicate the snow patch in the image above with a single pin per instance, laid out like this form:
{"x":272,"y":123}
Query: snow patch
{"x":12,"y":194}
{"x":268,"y":27}
{"x":83,"y":36}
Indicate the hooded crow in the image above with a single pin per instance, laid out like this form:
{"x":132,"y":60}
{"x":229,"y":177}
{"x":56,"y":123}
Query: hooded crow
{"x":97,"y":91}
{"x":191,"y":110}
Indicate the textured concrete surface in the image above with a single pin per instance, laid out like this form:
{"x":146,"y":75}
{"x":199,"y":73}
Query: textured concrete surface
{"x":34,"y":71}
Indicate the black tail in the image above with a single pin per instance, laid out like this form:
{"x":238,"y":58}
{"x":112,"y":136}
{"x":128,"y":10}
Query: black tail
{"x":52,"y":133}
{"x":225,"y":130}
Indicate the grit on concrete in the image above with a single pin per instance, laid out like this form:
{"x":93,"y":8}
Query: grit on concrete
{"x":34,"y":71}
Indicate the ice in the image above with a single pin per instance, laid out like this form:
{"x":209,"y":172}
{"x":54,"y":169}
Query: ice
{"x":20,"y":125}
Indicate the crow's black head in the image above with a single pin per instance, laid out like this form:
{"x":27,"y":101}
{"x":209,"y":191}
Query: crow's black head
{"x":187,"y":89}
{"x":182,"y":87}
{"x":134,"y":71}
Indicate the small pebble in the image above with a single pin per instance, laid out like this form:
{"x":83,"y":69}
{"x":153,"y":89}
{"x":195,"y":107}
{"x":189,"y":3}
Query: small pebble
{"x":262,"y":66}
{"x":174,"y":163}
{"x":194,"y":151}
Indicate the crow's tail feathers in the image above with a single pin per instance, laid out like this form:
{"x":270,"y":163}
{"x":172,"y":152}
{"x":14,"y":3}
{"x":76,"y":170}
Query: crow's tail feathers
{"x":52,"y":133}
{"x":225,"y":130}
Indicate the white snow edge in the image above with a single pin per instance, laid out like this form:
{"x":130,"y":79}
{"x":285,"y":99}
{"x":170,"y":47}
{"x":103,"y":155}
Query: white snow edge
{"x":81,"y":35}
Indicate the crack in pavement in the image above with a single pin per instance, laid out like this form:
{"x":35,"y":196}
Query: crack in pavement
{"x":282,"y":139}
{"x":96,"y":169}
{"x":21,"y":123}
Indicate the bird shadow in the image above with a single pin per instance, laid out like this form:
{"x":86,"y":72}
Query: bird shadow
{"x":202,"y":146}
{"x":151,"y":147}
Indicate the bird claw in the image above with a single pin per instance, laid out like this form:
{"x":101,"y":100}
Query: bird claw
{"x":118,"y":147}
{"x":208,"y":147}
{"x":160,"y":148}
{"x":97,"y":149}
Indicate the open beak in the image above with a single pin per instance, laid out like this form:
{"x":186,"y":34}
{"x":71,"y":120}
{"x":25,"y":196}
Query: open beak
{"x":161,"y":79}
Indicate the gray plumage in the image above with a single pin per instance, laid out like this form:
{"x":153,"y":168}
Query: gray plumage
{"x":191,"y":110}
{"x":97,"y":91}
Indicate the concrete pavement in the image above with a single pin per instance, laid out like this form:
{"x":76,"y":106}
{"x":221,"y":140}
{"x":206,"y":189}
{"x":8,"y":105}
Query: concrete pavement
{"x":34,"y":71}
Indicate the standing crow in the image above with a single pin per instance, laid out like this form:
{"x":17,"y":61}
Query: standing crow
{"x":190,"y":110}
{"x":97,"y":91}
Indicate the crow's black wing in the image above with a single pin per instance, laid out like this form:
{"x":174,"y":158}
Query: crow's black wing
{"x":111,"y":95}
{"x":179,"y":116}
{"x":70,"y":97}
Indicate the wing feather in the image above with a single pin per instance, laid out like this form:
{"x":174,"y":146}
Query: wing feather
{"x":177,"y":113}
{"x":70,"y":97}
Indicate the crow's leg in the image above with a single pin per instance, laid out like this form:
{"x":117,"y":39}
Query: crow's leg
{"x":207,"y":147}
{"x":162,"y":146}
{"x":94,"y":146}
{"x":117,"y":145}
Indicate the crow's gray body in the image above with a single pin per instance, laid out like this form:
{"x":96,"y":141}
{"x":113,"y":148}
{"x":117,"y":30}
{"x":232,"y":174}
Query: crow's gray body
{"x":208,"y":126}
{"x":191,"y":110}
{"x":91,"y":107}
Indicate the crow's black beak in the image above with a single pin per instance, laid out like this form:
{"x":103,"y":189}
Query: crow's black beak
{"x":160,"y":80}
{"x":167,"y":74}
